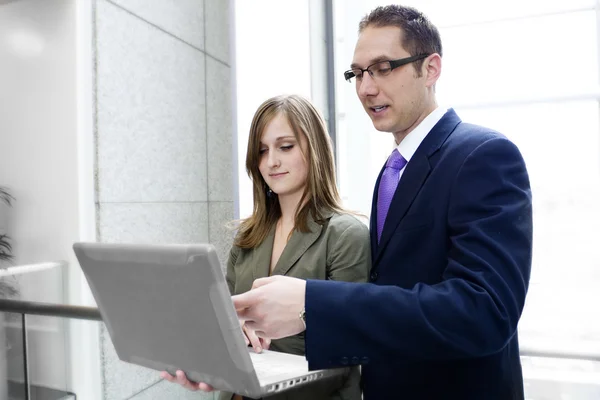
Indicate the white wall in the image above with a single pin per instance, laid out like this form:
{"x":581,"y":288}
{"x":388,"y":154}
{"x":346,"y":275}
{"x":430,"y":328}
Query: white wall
{"x":39,"y":162}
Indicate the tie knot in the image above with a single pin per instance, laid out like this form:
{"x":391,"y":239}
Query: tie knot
{"x":396,"y":161}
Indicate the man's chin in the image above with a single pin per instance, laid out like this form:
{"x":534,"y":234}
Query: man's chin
{"x":381,"y":126}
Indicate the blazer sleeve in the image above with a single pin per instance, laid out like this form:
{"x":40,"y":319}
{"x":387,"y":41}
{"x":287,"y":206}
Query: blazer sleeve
{"x":350,"y":258}
{"x":230,"y":275}
{"x":482,"y":291}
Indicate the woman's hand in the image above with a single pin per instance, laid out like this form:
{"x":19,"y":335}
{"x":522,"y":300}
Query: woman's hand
{"x":185,"y":382}
{"x":258,"y":344}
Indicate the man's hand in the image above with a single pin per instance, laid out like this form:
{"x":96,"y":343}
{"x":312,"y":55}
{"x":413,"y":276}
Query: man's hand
{"x":272,"y":308}
{"x":258,"y":344}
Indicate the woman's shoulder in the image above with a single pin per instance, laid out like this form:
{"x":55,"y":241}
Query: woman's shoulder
{"x":348,"y":224}
{"x":236,"y":252}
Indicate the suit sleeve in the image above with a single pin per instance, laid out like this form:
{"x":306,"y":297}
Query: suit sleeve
{"x":473,"y":311}
{"x":350,"y":258}
{"x":230,"y":276}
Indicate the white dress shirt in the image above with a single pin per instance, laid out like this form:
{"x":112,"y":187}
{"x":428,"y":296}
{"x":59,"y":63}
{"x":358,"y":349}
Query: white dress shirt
{"x":412,"y":141}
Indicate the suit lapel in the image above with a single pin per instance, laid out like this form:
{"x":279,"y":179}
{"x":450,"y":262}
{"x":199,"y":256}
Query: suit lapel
{"x":413,"y":178}
{"x":373,"y":219}
{"x":296,"y":247}
{"x":261,"y":259}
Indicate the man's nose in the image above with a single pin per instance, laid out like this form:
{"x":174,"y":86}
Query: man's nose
{"x":367,"y":86}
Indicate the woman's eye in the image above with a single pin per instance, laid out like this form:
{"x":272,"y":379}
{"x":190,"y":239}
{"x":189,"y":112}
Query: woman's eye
{"x":288,"y":147}
{"x":262,"y":151}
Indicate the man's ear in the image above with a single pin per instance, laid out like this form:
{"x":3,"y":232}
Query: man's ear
{"x":432,"y":67}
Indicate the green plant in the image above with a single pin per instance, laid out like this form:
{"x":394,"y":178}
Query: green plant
{"x":6,"y":256}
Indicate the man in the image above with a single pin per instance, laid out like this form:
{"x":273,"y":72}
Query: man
{"x":451,"y":233}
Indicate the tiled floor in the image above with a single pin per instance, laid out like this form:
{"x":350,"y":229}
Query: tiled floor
{"x":16,"y":391}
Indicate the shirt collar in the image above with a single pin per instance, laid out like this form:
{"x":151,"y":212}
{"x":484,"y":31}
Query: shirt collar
{"x":411,"y":142}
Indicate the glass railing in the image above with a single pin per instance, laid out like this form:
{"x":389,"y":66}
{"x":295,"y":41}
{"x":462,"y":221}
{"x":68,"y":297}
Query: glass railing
{"x":33,"y":349}
{"x":30,"y":369}
{"x":563,"y":378}
{"x":34,"y":333}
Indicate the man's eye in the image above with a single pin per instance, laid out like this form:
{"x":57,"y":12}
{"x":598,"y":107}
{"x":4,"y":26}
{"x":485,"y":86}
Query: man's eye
{"x":382,"y":71}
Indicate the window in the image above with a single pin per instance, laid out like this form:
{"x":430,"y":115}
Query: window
{"x":263,"y":37}
{"x":529,"y":69}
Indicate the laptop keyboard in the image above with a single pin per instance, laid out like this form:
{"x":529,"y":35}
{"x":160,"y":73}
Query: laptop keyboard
{"x":271,"y":364}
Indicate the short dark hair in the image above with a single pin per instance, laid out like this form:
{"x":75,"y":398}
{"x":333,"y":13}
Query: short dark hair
{"x":420,"y":35}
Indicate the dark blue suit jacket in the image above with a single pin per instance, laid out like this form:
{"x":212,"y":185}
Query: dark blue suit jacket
{"x":449,"y":277}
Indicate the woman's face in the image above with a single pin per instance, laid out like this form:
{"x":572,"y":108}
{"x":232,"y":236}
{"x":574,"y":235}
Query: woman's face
{"x":282,"y":164}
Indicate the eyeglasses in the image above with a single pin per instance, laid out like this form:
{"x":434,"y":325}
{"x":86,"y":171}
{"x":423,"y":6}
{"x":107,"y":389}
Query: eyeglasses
{"x":381,"y":68}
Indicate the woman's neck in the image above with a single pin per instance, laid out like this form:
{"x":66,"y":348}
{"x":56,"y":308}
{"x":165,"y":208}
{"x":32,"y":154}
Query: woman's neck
{"x":289,"y":206}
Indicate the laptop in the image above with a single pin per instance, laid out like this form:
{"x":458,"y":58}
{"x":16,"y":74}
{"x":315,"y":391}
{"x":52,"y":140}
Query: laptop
{"x":168,"y":307}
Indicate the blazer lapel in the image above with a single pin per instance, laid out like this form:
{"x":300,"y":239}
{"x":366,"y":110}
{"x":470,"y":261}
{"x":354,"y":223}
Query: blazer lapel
{"x":413,"y":178}
{"x":373,"y":219}
{"x":296,"y":247}
{"x":261,"y":256}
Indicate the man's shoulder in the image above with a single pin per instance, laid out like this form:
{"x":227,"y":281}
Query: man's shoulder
{"x":457,"y":138}
{"x":467,"y":137}
{"x":473,"y":133}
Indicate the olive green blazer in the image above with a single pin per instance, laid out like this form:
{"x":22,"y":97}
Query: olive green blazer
{"x":338,"y":250}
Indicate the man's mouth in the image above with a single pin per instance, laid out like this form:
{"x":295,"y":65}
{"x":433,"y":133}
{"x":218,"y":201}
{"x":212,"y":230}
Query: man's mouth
{"x":378,"y":109}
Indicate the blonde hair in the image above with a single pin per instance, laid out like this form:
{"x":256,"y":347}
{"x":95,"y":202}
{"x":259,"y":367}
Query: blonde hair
{"x":320,"y":194}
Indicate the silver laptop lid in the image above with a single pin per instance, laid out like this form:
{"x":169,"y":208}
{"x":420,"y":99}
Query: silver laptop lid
{"x":167,"y":307}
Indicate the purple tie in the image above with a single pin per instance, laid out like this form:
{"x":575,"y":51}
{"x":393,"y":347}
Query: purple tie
{"x":387,"y":187}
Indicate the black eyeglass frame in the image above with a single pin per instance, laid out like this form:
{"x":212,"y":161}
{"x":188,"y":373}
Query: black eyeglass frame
{"x":393,"y":65}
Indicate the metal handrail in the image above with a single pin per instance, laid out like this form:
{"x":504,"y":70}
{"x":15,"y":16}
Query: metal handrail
{"x":92,"y":313}
{"x":565,"y":354}
{"x":50,"y":310}
{"x":24,"y":269}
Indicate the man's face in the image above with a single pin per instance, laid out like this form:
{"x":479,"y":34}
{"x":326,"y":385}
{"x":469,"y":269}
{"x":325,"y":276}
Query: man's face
{"x":396,"y":102}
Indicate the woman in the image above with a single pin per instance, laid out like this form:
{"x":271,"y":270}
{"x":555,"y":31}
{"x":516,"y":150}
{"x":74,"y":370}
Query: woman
{"x":298,"y":227}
